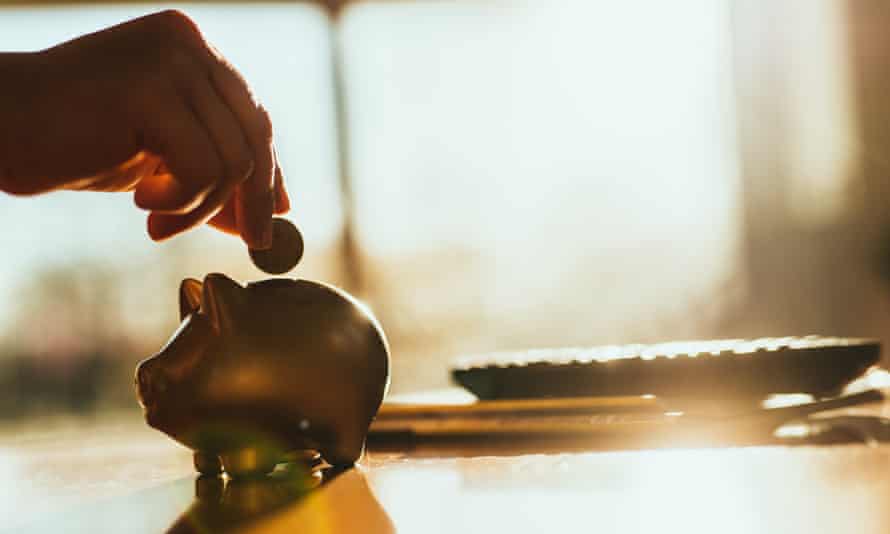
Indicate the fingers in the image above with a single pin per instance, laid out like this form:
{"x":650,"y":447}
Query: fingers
{"x":215,"y":139}
{"x":240,"y":133}
{"x":282,"y":200}
{"x":225,"y":219}
{"x":180,"y":201}
{"x":255,"y":203}
{"x":256,"y":196}
{"x":224,"y":130}
{"x":177,"y":134}
{"x":127,"y":179}
{"x":164,"y":225}
{"x":154,"y":86}
{"x":124,"y":177}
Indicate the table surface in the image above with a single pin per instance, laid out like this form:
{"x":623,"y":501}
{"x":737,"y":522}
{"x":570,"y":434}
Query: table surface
{"x":120,"y":476}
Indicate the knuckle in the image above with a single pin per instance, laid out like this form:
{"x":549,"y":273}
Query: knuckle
{"x":176,"y":20}
{"x":173,"y":43}
{"x":262,"y":124}
{"x":177,"y":32}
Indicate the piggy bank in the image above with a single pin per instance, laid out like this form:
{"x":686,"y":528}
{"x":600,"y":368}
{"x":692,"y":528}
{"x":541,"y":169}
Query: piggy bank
{"x":257,"y":374}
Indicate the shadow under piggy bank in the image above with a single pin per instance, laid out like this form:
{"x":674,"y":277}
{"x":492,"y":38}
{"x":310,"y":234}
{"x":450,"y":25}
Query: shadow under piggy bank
{"x":255,"y":373}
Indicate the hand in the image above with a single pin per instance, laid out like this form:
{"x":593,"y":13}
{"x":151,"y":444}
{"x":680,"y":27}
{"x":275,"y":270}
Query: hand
{"x":146,"y":106}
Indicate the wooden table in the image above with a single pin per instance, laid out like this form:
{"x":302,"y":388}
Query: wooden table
{"x":120,"y":476}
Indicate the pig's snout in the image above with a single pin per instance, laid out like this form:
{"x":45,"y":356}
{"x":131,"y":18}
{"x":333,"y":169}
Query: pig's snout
{"x":175,"y":362}
{"x":152,"y":382}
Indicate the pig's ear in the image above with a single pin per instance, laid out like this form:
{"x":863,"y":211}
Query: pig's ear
{"x":220,"y":301}
{"x":189,"y":297}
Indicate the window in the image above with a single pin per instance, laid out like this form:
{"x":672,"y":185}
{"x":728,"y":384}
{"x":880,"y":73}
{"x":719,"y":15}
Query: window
{"x":541,"y":173}
{"x":523,"y":174}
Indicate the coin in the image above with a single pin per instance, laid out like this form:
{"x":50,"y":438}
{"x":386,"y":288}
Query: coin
{"x":285,"y":252}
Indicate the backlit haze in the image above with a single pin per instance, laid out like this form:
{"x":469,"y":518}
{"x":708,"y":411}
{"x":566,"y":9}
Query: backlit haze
{"x":517,"y":182}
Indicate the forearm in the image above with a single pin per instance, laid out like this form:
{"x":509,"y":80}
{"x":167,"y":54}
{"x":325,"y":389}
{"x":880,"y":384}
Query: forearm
{"x":19,"y":87}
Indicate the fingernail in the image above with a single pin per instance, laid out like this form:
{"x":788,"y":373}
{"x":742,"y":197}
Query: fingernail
{"x":282,"y":202}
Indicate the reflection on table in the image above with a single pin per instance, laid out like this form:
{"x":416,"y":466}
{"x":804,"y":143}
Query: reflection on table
{"x":122,"y":477}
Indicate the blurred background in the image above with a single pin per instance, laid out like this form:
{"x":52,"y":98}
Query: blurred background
{"x":495,"y":175}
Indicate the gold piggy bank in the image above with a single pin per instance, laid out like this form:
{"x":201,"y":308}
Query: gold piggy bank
{"x":255,"y":375}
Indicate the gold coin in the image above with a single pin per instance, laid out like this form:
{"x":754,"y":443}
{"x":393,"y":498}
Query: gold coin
{"x":285,"y":252}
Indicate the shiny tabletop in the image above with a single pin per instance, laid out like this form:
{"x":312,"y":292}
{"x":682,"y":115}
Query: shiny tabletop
{"x":120,"y":476}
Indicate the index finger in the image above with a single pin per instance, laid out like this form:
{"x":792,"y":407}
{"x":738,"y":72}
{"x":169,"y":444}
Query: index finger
{"x":255,"y":195}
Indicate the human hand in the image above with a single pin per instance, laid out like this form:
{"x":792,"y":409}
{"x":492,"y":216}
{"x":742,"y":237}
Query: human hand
{"x":146,"y":106}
